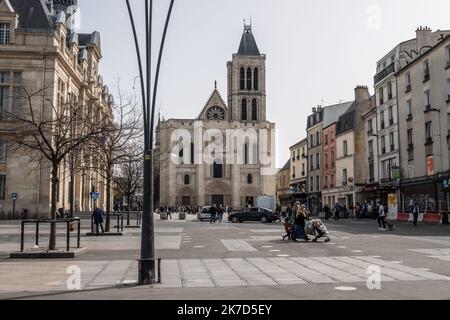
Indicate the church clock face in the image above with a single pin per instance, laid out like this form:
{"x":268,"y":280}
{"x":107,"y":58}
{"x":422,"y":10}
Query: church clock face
{"x":216,"y":113}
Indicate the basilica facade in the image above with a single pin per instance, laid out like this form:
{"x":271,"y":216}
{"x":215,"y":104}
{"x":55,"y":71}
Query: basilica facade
{"x":225,"y":156}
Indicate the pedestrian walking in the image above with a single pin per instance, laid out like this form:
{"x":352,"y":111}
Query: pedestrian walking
{"x":381,"y":217}
{"x":169,"y":213}
{"x":337,"y":211}
{"x":220,"y":214}
{"x":213,"y":212}
{"x":326,"y":209}
{"x":98,"y":220}
{"x":415,"y":213}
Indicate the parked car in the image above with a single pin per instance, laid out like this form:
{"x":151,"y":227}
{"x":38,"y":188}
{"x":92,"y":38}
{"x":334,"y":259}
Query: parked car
{"x":204,"y":214}
{"x":253,"y":214}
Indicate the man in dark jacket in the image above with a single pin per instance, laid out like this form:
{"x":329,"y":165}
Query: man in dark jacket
{"x":98,"y":219}
{"x":213,"y":212}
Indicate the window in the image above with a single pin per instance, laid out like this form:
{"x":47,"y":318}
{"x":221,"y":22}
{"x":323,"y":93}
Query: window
{"x":408,"y":82}
{"x":383,"y":144}
{"x":217,"y":170}
{"x":10,"y":86}
{"x":311,"y":184}
{"x":2,"y":187}
{"x":370,"y":126}
{"x":391,"y":141}
{"x":426,"y":70}
{"x":410,"y":138}
{"x":427,"y":100}
{"x":326,"y":161}
{"x":244,"y":110}
{"x":249,"y":79}
{"x":382,"y":120}
{"x":246,"y":154}
{"x":254,"y":110}
{"x":249,"y":179}
{"x":428,"y":132}
{"x":2,"y":150}
{"x":332,"y":159}
{"x":256,"y":79}
{"x":371,"y":149}
{"x":411,"y":169}
{"x":448,"y":56}
{"x":326,"y":139}
{"x":326,"y":183}
{"x":389,"y":89}
{"x":318,"y":160}
{"x":311,"y":162}
{"x":311,"y":140}
{"x":303,"y":170}
{"x":371,"y":172}
{"x":317,"y":138}
{"x":332,"y":181}
{"x":448,"y":123}
{"x":242,"y":79}
{"x":344,"y":177}
{"x":192,"y":154}
{"x":187,"y":179}
{"x":409,"y":109}
{"x":448,"y":90}
{"x":4,"y":33}
{"x":391,"y":116}
{"x":317,"y":183}
{"x":345,"y":147}
{"x":381,"y":95}
{"x":293,"y":156}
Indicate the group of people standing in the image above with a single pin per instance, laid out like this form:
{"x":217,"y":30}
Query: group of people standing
{"x":216,"y":214}
{"x":295,"y":222}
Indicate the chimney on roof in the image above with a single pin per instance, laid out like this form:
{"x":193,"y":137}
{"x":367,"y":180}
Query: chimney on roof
{"x":423,"y":38}
{"x":361,"y":94}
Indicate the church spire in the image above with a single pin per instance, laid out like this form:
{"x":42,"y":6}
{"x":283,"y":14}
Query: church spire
{"x":248,"y":46}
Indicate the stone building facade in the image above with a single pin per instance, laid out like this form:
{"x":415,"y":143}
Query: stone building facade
{"x":226,"y":155}
{"x":40,"y":52}
{"x":424,"y":126}
{"x":298,"y":175}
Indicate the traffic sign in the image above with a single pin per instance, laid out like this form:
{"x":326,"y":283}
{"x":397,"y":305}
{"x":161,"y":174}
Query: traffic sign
{"x":96,"y":195}
{"x":14,"y":196}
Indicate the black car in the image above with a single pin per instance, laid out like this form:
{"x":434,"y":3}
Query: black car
{"x":253,"y":214}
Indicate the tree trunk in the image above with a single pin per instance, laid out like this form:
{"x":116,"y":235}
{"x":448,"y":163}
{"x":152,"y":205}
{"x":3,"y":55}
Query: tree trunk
{"x":54,"y":193}
{"x":108,"y":200}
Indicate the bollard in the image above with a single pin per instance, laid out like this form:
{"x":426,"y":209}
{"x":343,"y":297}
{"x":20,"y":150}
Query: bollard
{"x":68,"y":235}
{"x":37,"y":233}
{"x":79,"y":233}
{"x":22,"y":235}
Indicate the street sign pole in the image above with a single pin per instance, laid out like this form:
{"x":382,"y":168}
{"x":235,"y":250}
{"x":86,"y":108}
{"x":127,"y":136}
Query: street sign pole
{"x":14,"y":199}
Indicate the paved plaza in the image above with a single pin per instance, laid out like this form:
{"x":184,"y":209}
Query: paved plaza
{"x":226,"y":261}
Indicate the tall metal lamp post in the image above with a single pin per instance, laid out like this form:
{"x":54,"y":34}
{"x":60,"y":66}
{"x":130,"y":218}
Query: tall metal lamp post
{"x":147,"y":259}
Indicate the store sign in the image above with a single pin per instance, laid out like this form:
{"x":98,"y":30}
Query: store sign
{"x":430,"y":166}
{"x":392,"y":206}
{"x":396,"y":172}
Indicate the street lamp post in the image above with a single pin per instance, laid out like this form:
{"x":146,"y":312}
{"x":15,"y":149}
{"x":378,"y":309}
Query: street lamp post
{"x":147,"y":259}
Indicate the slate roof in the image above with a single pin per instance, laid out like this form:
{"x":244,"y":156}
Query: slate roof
{"x":248,"y":46}
{"x":32,"y":15}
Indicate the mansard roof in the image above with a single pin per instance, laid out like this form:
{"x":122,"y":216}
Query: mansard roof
{"x":32,"y":15}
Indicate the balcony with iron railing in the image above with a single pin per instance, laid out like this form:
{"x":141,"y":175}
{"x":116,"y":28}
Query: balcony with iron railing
{"x":384,"y":73}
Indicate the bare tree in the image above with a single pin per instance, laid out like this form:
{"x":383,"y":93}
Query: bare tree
{"x":129,"y":177}
{"x":54,"y":132}
{"x":111,"y":150}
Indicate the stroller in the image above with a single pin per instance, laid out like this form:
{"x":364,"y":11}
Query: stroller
{"x":317,"y":229}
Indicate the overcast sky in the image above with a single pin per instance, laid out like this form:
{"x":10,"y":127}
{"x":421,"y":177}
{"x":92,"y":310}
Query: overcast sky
{"x":317,"y":50}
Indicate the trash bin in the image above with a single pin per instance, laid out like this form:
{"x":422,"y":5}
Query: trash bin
{"x":164,"y":216}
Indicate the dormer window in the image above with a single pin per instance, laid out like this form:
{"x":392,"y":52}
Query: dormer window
{"x":4,"y":33}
